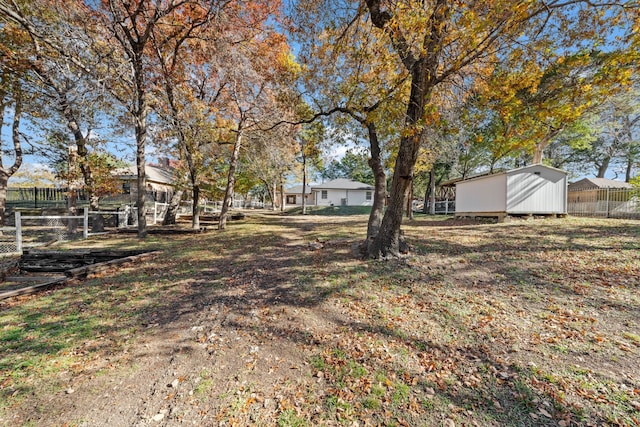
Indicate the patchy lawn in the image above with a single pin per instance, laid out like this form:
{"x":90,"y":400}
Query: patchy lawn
{"x":526,"y":323}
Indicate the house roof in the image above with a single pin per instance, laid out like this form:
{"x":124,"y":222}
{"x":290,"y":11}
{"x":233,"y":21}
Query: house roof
{"x":298,"y":189}
{"x":597,"y":183}
{"x":152,"y":173}
{"x":342,"y":184}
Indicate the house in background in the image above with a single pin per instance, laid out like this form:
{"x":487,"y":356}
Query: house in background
{"x":293,"y":195}
{"x":343,"y":192}
{"x":531,"y":190}
{"x":160,"y":180}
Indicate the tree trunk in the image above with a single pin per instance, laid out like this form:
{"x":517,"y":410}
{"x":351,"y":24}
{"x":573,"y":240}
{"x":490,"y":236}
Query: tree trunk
{"x":5,"y":174}
{"x":140,"y":119}
{"x":282,"y":198}
{"x":273,"y":196}
{"x":410,"y":202}
{"x":629,"y":169}
{"x":537,"y":154}
{"x":195,"y":212}
{"x":172,"y":210}
{"x":432,"y":191}
{"x":141,"y":131}
{"x":380,"y":184}
{"x":602,"y":169}
{"x":231,"y":179}
{"x":4,"y":180}
{"x":388,"y":243}
{"x":72,"y":207}
{"x":304,"y":183}
{"x":97,"y":220}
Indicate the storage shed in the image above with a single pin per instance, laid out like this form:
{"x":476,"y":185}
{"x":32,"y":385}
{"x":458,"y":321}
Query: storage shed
{"x":531,"y":190}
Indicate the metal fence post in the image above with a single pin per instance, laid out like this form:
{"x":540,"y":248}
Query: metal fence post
{"x":607,"y":205}
{"x":18,"y":233}
{"x":85,"y":229}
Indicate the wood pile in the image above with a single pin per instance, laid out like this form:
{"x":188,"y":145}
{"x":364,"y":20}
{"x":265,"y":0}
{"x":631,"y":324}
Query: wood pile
{"x":62,"y":261}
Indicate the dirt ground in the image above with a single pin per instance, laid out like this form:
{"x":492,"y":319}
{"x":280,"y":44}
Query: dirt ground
{"x":278,"y":322}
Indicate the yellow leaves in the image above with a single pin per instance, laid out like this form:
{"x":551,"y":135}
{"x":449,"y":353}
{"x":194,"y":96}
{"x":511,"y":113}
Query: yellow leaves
{"x":287,"y":62}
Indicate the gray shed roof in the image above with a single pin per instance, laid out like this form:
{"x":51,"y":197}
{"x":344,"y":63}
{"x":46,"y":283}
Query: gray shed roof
{"x":343,"y":184}
{"x":597,"y":183}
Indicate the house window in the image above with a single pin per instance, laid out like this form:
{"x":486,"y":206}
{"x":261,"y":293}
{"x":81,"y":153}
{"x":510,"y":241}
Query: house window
{"x":324,"y":195}
{"x":291,"y":200}
{"x":368,"y":195}
{"x":126,"y":188}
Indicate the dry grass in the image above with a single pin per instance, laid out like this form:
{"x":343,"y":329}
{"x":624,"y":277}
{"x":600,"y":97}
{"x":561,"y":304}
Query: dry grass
{"x":526,"y":323}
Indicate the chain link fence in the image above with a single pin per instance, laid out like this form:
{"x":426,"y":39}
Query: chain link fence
{"x":8,"y":241}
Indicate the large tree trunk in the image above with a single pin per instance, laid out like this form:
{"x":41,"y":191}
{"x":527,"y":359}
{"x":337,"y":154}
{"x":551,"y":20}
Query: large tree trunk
{"x":172,"y":211}
{"x":380,"y":184}
{"x":424,"y":71}
{"x":141,"y":131}
{"x":388,"y":242}
{"x":140,"y":119}
{"x":222,"y":224}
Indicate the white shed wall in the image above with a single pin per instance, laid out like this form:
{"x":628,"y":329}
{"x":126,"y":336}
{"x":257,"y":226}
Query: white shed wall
{"x":487,"y":194}
{"x":536,"y":190}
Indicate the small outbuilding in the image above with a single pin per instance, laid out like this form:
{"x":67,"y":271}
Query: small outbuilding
{"x":530,"y":190}
{"x":343,"y":192}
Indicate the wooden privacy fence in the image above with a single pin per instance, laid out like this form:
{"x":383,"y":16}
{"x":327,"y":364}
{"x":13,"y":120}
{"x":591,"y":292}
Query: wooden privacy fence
{"x":605,"y":203}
